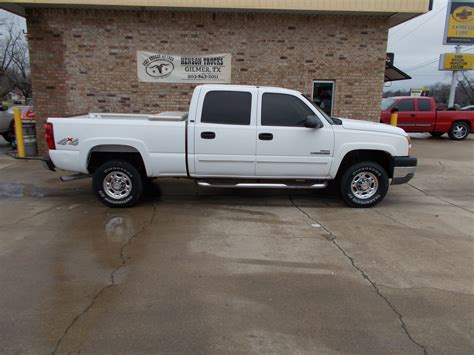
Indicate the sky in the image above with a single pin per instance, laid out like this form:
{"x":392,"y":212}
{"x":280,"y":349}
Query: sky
{"x":417,"y":45}
{"x":417,"y":42}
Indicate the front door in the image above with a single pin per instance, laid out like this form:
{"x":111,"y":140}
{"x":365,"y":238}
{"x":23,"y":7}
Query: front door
{"x":225,"y":133}
{"x":407,"y":115}
{"x":285,"y":147}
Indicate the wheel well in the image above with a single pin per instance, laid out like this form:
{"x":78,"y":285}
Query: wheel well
{"x":103,"y":153}
{"x":377,"y":156}
{"x":464,"y":121}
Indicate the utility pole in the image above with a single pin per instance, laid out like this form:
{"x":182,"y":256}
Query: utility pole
{"x":454,"y":82}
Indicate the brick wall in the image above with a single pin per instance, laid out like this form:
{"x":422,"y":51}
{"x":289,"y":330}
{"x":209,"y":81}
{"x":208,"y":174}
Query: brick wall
{"x":85,"y":60}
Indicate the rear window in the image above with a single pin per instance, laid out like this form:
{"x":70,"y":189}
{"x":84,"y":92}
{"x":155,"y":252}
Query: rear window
{"x":405,"y":105}
{"x":227,"y":107}
{"x":424,"y":105}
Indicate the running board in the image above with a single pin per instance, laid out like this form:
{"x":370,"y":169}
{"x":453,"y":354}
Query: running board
{"x":264,"y":186}
{"x":74,"y":177}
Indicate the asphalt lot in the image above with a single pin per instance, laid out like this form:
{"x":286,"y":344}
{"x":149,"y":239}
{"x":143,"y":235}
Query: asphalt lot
{"x":217,"y":271}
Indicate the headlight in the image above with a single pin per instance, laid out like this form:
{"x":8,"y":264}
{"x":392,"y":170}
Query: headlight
{"x":410,"y":150}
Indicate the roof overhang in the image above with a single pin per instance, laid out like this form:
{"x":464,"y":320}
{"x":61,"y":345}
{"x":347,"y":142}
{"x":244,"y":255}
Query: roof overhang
{"x":392,"y":73}
{"x":397,"y":11}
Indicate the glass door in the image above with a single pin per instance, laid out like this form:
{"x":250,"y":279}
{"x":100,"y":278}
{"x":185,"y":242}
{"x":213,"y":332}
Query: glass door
{"x":323,"y":95}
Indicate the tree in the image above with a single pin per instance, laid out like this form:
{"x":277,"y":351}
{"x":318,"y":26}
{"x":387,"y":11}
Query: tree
{"x":465,"y":90}
{"x":14,"y":57}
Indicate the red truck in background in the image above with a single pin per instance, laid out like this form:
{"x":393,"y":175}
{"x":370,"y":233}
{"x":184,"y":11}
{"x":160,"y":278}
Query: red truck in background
{"x":419,"y":114}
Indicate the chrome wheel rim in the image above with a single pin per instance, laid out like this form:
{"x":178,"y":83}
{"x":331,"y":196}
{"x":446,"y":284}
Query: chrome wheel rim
{"x":460,"y":131}
{"x":364,"y":185}
{"x":117,"y":185}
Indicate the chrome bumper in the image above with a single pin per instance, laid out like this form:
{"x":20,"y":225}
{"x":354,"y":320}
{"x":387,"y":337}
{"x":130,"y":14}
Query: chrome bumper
{"x":404,"y":169}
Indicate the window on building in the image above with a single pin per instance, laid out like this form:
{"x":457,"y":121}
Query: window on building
{"x":406,"y":105}
{"x":227,"y":107}
{"x":323,"y":95}
{"x":424,"y":105}
{"x":284,"y":110}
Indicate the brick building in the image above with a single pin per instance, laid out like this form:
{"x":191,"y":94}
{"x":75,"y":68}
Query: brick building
{"x":84,"y":53}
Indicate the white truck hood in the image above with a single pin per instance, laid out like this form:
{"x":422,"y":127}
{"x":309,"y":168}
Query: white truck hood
{"x":371,"y":126}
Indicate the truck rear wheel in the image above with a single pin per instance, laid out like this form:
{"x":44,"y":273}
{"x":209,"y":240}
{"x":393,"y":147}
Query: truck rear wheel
{"x":459,"y":131}
{"x":117,"y":184}
{"x":364,"y":185}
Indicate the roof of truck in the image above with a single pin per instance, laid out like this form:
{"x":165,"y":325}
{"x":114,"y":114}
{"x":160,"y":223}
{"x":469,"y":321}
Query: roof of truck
{"x":237,"y":87}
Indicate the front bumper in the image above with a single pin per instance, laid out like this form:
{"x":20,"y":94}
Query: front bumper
{"x":48,"y":163}
{"x":403,"y":169}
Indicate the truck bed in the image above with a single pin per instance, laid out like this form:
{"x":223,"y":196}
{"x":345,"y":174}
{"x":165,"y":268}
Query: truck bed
{"x":160,"y":138}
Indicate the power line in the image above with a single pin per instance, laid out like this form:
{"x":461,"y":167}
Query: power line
{"x":421,"y":24}
{"x":431,"y":61}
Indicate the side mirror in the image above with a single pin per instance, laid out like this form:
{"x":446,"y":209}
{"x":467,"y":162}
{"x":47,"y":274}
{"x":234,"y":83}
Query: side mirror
{"x":394,"y":110}
{"x":313,"y":122}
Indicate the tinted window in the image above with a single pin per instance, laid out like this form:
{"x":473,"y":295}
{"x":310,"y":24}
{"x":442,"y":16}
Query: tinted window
{"x":405,"y":105}
{"x":424,"y":105}
{"x":227,"y":107}
{"x":284,"y":110}
{"x":386,"y":103}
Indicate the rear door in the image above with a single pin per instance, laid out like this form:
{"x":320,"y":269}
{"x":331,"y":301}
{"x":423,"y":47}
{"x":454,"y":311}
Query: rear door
{"x":425,"y":115}
{"x":285,"y":147}
{"x":225,"y":132}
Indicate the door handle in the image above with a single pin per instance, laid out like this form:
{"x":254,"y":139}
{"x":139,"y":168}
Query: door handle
{"x":265,"y":136}
{"x":413,"y":115}
{"x":208,"y":135}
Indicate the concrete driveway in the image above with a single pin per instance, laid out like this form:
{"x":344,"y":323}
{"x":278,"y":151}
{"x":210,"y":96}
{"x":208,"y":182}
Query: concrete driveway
{"x":218,"y":271}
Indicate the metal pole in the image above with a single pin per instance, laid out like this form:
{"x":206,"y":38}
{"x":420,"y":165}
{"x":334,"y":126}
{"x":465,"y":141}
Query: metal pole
{"x":454,"y":82}
{"x":20,"y":143}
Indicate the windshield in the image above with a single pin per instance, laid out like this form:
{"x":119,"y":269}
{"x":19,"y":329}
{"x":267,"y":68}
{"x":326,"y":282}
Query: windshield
{"x":329,"y":119}
{"x":386,"y":103}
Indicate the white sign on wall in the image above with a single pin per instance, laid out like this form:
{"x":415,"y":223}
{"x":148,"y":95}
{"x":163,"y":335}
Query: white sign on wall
{"x":169,"y":68}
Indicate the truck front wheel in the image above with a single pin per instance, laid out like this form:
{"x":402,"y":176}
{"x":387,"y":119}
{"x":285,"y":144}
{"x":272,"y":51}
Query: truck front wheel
{"x":364,"y":185}
{"x":117,"y":184}
{"x":7,"y":137}
{"x":459,"y":131}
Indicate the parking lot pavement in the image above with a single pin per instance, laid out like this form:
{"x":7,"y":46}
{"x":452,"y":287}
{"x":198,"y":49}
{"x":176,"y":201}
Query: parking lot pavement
{"x":218,"y":271}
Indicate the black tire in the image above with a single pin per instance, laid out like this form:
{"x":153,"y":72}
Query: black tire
{"x":377,"y":180}
{"x":459,"y":131}
{"x":7,"y":137}
{"x":436,"y":134}
{"x":128,"y":180}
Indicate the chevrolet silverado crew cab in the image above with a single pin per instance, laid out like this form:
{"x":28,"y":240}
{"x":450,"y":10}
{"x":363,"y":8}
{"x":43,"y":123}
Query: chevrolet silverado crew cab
{"x":233,"y":137}
{"x":419,"y":114}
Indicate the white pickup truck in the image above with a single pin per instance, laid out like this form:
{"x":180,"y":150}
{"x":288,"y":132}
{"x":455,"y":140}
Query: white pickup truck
{"x":234,"y":137}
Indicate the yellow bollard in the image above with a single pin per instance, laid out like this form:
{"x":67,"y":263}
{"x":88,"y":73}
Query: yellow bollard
{"x":394,"y":119}
{"x":20,"y":144}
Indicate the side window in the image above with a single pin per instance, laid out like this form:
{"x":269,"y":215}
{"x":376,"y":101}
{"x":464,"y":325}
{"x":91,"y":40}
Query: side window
{"x":284,"y":110}
{"x":424,"y":105}
{"x":227,"y":107}
{"x":406,"y":105}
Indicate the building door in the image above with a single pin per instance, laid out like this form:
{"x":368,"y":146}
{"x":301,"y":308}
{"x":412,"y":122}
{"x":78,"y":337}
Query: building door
{"x":225,"y":132}
{"x":285,"y":147}
{"x":324,"y":95}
